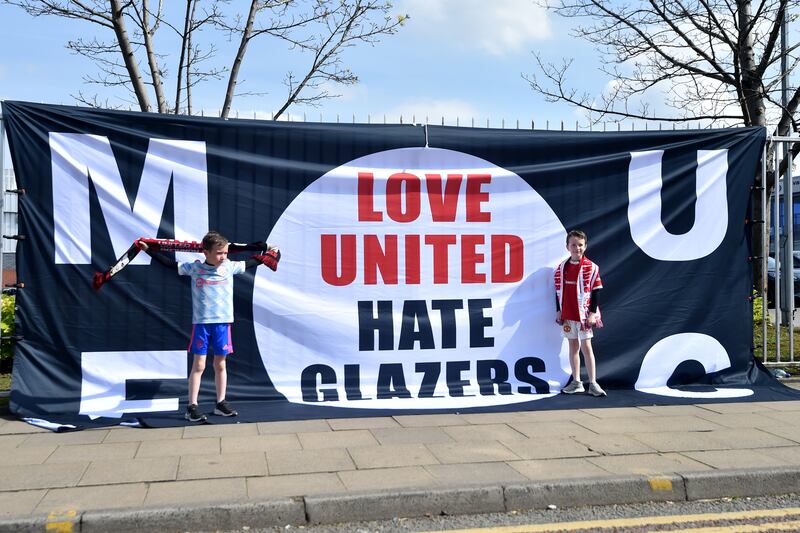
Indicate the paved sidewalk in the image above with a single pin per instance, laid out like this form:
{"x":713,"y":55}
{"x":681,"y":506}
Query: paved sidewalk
{"x":323,"y":471}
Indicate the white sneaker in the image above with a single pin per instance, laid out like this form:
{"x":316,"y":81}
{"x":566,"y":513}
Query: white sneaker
{"x":596,"y":390}
{"x":573,"y":387}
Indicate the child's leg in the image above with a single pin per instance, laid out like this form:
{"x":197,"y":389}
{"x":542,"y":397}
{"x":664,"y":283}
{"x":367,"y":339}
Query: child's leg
{"x":195,"y":375}
{"x":220,"y":376}
{"x":574,"y":358}
{"x":588,"y":359}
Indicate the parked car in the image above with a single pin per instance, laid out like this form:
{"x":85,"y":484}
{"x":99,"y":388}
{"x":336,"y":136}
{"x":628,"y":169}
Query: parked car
{"x":771,"y":278}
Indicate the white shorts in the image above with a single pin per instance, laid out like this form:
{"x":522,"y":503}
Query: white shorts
{"x":571,"y":329}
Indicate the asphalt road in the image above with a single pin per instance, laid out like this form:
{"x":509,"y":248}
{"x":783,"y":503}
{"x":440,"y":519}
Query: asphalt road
{"x":555,"y":516}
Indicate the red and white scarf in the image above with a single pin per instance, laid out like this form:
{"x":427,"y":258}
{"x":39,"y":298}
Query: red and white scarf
{"x":587,"y":276}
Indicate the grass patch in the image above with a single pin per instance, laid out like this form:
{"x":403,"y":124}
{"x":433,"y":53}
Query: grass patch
{"x":793,"y":369}
{"x":771,"y":353}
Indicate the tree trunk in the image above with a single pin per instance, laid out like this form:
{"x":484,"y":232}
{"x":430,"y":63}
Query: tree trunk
{"x":152,"y":61}
{"x":178,"y":84}
{"x":237,"y":62}
{"x":752,"y":84}
{"x":755,"y":114}
{"x":189,"y":63}
{"x":139,"y":88}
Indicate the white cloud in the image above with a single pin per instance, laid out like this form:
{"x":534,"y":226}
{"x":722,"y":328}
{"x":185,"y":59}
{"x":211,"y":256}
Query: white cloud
{"x":498,"y":27}
{"x":347,"y":93}
{"x":668,"y":99}
{"x":433,"y":110}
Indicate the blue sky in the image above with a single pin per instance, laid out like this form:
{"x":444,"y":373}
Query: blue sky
{"x":457,"y":59}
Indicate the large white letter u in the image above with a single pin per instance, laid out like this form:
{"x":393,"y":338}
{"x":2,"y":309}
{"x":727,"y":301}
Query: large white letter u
{"x":711,"y":208}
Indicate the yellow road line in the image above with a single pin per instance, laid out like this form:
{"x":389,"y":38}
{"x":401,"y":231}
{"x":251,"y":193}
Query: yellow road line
{"x":748,"y":528}
{"x":634,"y":522}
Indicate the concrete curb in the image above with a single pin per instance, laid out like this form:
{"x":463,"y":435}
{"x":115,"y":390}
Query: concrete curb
{"x":744,"y":482}
{"x":334,"y":508}
{"x":390,"y":504}
{"x":268,"y":513}
{"x":594,"y":491}
{"x":26,"y":524}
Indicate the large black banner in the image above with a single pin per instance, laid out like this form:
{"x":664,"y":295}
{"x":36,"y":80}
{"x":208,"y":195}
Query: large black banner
{"x":417,"y":269}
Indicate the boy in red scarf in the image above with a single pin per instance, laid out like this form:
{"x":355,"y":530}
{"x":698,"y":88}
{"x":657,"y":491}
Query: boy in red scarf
{"x":578,"y":285}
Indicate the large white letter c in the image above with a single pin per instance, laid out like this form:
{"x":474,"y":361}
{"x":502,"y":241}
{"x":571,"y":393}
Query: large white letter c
{"x":664,"y":357}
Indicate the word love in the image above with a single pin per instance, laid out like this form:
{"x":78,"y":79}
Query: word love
{"x":421,"y":258}
{"x":403,"y":202}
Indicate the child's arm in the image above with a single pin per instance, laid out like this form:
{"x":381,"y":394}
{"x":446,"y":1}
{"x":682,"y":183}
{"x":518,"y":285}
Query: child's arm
{"x":157,"y":255}
{"x":594,"y":301}
{"x":558,"y":311}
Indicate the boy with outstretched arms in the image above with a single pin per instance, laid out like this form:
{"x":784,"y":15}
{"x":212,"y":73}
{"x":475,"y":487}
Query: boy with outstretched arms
{"x":578,"y":285}
{"x":212,"y":312}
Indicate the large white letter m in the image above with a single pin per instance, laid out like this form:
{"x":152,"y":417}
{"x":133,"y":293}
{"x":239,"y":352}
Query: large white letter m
{"x":77,"y":158}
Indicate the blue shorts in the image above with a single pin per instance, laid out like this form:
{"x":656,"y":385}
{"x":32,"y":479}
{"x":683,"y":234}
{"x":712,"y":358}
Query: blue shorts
{"x":216,"y":335}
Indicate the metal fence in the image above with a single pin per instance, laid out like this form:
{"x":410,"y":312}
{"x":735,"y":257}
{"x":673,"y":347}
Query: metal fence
{"x":780,"y":265}
{"x":10,"y":211}
{"x":8,"y":204}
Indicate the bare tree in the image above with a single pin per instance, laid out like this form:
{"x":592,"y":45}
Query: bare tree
{"x":129,"y":56}
{"x":712,"y":60}
{"x":321,"y":29}
{"x":123,"y":54}
{"x":192,"y":56}
{"x":143,"y":14}
{"x":191,"y":6}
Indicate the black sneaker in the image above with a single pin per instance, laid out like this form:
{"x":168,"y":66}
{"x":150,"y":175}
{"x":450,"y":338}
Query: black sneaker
{"x":224,"y":409}
{"x":193,"y":414}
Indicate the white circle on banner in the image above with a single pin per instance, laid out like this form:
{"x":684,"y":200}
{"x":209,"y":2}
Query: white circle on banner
{"x":306,"y":315}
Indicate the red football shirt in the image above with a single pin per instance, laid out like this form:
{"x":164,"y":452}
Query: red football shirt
{"x":569,"y":299}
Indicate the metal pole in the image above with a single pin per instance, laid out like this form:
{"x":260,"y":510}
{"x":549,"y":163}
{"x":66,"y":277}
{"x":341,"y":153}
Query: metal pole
{"x":776,"y":293}
{"x":777,"y":287}
{"x":764,"y":253}
{"x":788,"y":217}
{"x":2,"y":202}
{"x":788,"y":220}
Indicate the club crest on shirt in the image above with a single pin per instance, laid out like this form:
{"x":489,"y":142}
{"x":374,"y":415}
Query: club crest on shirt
{"x":222,"y":270}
